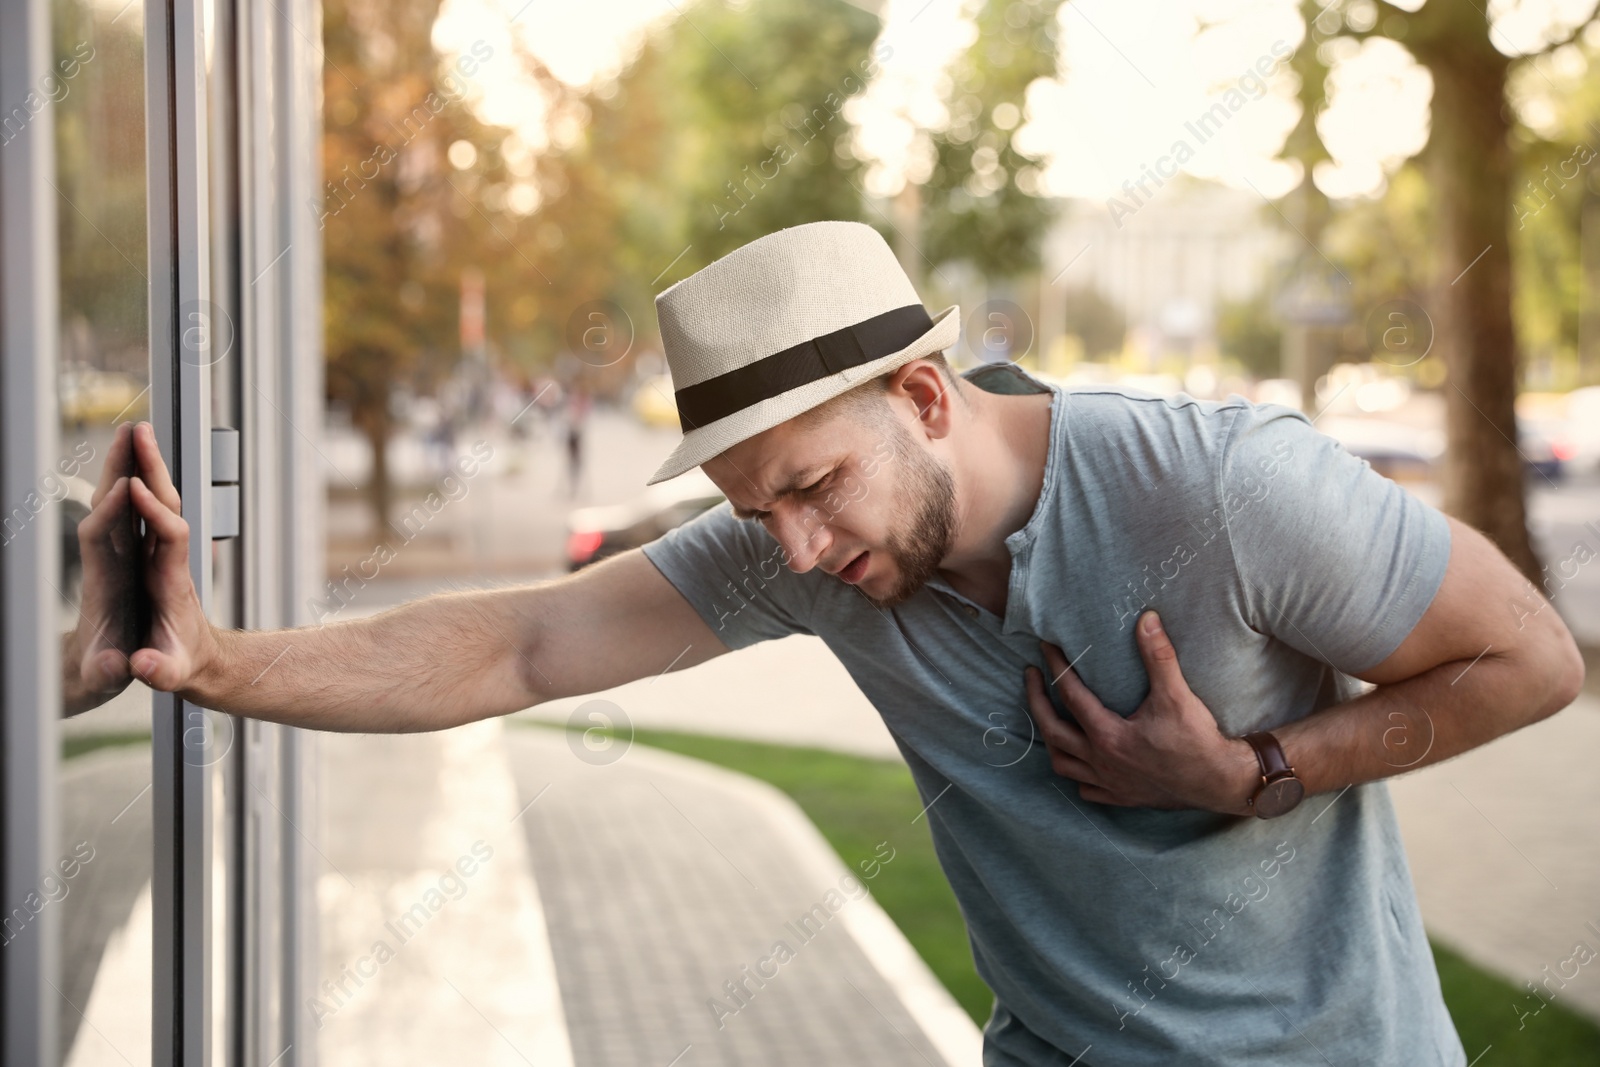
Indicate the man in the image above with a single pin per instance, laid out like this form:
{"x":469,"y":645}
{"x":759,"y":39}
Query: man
{"x":1006,"y":569}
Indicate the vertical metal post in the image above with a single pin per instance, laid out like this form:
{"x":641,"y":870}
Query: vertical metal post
{"x":30,"y":654}
{"x":300,"y":526}
{"x":180,"y":403}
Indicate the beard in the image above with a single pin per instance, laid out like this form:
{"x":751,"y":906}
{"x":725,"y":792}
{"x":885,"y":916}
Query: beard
{"x":924,"y":523}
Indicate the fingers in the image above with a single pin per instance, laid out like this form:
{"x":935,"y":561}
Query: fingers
{"x":159,"y":670}
{"x":1071,"y":767}
{"x":1084,"y":705}
{"x":106,"y":669}
{"x":153,"y":469}
{"x":116,"y":464}
{"x":167,"y":523}
{"x":166,"y":535}
{"x":1160,"y":658}
{"x":1064,"y":743}
{"x":1095,"y":794}
{"x":107,"y":510}
{"x":1057,"y":732}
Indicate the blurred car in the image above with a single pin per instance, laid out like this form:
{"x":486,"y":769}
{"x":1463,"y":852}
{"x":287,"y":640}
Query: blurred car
{"x":1544,"y":446}
{"x":97,"y":397}
{"x":1408,"y":453}
{"x":597,"y":532}
{"x":1580,"y":429}
{"x":653,"y":403}
{"x":1395,"y":450}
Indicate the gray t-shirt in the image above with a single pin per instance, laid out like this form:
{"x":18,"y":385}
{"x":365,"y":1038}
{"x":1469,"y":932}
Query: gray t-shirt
{"x":1280,"y":564}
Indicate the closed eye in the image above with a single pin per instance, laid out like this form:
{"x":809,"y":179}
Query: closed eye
{"x":753,"y":516}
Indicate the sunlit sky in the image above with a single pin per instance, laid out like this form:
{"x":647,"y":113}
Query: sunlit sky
{"x":1134,"y":76}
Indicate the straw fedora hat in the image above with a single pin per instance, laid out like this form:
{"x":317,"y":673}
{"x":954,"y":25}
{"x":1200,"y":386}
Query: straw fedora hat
{"x":782,"y":324}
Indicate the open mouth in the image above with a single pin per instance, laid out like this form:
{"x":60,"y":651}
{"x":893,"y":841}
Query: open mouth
{"x":855,"y":570}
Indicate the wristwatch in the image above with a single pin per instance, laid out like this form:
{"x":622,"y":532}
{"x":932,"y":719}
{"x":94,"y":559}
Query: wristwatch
{"x":1279,"y":790}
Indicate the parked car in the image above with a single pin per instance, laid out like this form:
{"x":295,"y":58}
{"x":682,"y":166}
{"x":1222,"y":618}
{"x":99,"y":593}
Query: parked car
{"x":653,"y":403}
{"x":597,"y":532}
{"x":1580,"y":430}
{"x":1544,"y":446}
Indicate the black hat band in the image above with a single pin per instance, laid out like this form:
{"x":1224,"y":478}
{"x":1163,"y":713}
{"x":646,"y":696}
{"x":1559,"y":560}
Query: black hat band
{"x":809,"y":361}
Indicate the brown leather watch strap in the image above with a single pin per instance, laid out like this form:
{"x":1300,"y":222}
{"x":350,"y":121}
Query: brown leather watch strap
{"x":1269,"y":754}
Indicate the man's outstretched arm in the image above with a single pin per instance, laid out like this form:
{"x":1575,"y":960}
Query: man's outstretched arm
{"x":1489,"y":656}
{"x":431,"y":664}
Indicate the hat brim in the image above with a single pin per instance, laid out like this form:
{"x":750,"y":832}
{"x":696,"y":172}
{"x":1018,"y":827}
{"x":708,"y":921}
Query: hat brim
{"x":701,"y":443}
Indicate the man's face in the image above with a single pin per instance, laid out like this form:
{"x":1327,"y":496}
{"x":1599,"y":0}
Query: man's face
{"x":854,"y":492}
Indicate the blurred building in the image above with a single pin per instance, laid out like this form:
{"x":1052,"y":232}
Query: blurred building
{"x":1168,"y":262}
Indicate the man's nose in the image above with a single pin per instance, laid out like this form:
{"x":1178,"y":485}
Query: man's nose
{"x":804,"y":535}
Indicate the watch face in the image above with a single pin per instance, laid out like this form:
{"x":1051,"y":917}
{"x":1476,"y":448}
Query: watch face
{"x":1279,"y":797}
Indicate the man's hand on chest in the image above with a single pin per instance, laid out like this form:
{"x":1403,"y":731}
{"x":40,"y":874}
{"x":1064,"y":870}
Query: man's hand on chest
{"x":1168,"y":754}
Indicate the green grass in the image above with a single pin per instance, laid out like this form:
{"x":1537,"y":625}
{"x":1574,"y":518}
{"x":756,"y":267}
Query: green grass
{"x":73,"y":747}
{"x":858,"y":802}
{"x":1485,"y":1011}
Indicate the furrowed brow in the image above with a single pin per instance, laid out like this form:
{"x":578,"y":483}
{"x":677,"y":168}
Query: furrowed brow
{"x":795,"y":482}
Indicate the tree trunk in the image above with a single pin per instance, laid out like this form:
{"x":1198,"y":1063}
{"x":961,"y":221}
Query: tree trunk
{"x":380,"y":494}
{"x":1471,"y":170}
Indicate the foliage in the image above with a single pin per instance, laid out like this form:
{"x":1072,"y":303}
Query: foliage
{"x":727,"y":127}
{"x":1557,"y":181}
{"x":728,"y":124}
{"x":1095,"y":320}
{"x":1471,"y":168}
{"x":980,"y":202}
{"x":100,"y":181}
{"x":1385,"y":245}
{"x":1248,"y":331}
{"x":399,"y":224}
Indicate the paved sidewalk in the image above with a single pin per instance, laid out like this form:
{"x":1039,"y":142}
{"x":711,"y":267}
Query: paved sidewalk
{"x":1504,"y":844}
{"x":432,"y":939}
{"x":625,"y":895}
{"x":669,"y":886}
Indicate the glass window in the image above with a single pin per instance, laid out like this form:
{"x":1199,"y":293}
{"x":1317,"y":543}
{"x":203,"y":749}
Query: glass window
{"x":104,"y":378}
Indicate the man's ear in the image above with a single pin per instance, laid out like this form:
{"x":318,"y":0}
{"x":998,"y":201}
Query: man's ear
{"x":924,"y":386}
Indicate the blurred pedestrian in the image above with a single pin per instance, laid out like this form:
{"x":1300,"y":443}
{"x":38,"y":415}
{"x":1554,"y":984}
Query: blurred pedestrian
{"x":578,"y":403}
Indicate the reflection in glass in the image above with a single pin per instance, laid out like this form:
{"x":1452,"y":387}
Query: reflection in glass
{"x":101,"y":884}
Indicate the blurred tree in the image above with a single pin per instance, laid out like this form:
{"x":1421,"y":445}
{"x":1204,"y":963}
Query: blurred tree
{"x":551,"y":259}
{"x":398,"y":224}
{"x":728,"y":126}
{"x":1095,"y":320}
{"x":763,"y":143}
{"x":1470,"y":163}
{"x":1385,"y":245}
{"x":1249,"y":331}
{"x":981,"y":203}
{"x":1556,"y":221}
{"x":1306,"y":349}
{"x":1386,"y":248}
{"x":100,"y":177}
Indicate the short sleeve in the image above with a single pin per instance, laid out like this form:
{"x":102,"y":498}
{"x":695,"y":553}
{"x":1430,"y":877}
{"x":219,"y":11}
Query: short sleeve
{"x":733,"y":573}
{"x":1334,"y":559}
